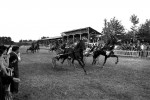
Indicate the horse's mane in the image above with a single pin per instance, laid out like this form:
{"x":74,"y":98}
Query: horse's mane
{"x":108,"y":47}
{"x":80,"y":45}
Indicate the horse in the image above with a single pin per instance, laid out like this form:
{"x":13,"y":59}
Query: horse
{"x":36,"y":47}
{"x":75,"y":53}
{"x":89,"y":51}
{"x":63,"y":57}
{"x":105,"y":51}
{"x":32,"y":49}
{"x":54,"y":47}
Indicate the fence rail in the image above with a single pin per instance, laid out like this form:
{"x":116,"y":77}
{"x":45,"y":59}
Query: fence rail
{"x":126,"y":53}
{"x":132,"y":53}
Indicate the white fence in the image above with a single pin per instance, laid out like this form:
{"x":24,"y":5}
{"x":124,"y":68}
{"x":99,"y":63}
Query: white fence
{"x":126,"y":53}
{"x":132,"y":53}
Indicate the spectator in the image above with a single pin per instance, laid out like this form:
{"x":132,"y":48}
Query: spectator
{"x":5,"y":79}
{"x":13,"y":61}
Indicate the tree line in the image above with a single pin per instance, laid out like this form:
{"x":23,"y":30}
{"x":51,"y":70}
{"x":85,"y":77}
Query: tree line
{"x":28,"y":41}
{"x":113,"y":30}
{"x":6,"y":41}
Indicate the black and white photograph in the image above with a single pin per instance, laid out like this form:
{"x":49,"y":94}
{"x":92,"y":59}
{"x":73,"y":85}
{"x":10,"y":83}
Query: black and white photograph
{"x":74,"y":50}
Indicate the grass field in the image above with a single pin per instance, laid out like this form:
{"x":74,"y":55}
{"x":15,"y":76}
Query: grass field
{"x":128,"y":80}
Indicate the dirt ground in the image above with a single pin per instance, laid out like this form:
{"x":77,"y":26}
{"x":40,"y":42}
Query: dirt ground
{"x":128,"y":80}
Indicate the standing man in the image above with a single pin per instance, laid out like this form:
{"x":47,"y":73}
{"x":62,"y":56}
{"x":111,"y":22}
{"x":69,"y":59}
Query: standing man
{"x":142,"y":50}
{"x":13,"y":63}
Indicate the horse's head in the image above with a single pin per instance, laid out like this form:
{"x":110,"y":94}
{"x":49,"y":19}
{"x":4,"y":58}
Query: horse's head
{"x":80,"y":45}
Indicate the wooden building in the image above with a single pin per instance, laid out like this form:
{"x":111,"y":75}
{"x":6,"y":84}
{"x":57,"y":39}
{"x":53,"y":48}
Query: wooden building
{"x":52,"y":40}
{"x":91,"y":35}
{"x":74,"y":35}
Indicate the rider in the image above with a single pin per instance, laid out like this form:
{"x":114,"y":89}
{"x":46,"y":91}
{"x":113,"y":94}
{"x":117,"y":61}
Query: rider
{"x":32,"y":45}
{"x":109,"y":46}
{"x":81,"y":47}
{"x":62,"y":47}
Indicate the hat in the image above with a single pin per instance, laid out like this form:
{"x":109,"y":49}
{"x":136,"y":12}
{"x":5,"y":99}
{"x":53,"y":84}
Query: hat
{"x":15,"y":48}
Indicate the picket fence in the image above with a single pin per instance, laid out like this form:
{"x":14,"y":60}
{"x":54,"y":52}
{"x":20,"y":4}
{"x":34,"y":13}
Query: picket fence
{"x":132,"y":53}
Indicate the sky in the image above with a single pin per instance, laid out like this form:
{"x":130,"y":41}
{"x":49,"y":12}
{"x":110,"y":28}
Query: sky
{"x":32,"y":19}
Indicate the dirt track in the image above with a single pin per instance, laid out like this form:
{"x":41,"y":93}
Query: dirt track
{"x":129,"y":80}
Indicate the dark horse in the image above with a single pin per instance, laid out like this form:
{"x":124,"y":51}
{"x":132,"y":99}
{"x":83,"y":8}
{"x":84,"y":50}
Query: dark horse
{"x":75,"y":53}
{"x":34,"y":47}
{"x":31,"y":49}
{"x":106,"y":51}
{"x":54,"y":47}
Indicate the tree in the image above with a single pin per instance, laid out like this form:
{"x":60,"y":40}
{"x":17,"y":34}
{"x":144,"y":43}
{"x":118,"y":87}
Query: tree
{"x":144,"y":31}
{"x":20,"y":41}
{"x":30,"y":40}
{"x":5,"y":40}
{"x":128,"y":37}
{"x":113,"y":30}
{"x":134,"y":20}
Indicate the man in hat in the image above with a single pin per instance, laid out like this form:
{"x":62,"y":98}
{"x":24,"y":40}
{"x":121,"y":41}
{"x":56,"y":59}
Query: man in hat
{"x":13,"y":63}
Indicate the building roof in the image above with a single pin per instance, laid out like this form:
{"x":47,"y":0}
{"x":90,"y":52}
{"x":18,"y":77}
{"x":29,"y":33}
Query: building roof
{"x":63,"y":33}
{"x":80,"y":29}
{"x":52,"y":38}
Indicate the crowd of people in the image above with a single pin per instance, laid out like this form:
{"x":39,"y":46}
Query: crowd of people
{"x":9,"y":72}
{"x":135,"y":46}
{"x":142,"y":48}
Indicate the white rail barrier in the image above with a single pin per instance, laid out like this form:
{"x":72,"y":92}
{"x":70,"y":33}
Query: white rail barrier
{"x":132,"y":53}
{"x":127,"y":53}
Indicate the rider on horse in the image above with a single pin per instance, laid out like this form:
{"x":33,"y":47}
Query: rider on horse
{"x":109,"y":46}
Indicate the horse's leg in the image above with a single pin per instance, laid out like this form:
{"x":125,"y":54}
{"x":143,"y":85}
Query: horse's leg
{"x":82,"y":66}
{"x":27,"y":51}
{"x":63,"y":60}
{"x":98,"y":63}
{"x":73,"y":59}
{"x":95,"y":55}
{"x":69,"y":61}
{"x":32,"y":51}
{"x":54,"y":62}
{"x":36,"y":50}
{"x":105,"y":60}
{"x":116,"y":57}
{"x":82,"y":60}
{"x":94,"y":60}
